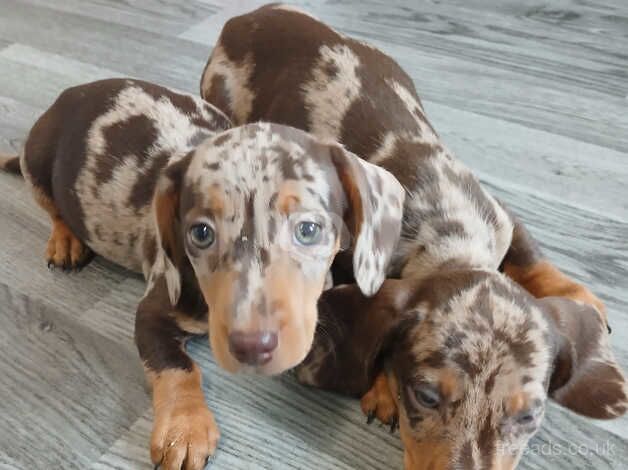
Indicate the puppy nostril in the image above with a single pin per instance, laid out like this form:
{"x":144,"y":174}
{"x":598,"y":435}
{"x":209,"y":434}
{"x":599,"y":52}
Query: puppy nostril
{"x":253,"y":348}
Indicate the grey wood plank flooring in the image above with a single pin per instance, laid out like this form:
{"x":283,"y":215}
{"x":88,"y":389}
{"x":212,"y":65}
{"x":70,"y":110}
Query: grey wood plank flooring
{"x":153,"y":56}
{"x":533,"y":95}
{"x":164,"y":17}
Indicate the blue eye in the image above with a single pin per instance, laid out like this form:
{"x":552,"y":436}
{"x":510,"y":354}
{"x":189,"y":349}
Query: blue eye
{"x":427,"y":396}
{"x":202,"y":235}
{"x":526,"y":417}
{"x":308,"y":233}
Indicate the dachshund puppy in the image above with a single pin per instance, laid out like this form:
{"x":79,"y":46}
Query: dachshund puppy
{"x":469,"y":360}
{"x":282,"y":65}
{"x":235,"y":231}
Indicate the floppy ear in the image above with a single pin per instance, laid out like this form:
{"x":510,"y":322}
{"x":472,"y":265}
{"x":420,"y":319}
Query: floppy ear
{"x":375,"y":201}
{"x":586,"y":378}
{"x":352,"y":334}
{"x":166,"y":201}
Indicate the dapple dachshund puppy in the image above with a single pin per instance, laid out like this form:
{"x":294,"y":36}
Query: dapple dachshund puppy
{"x":470,"y":359}
{"x":241,"y":223}
{"x":281,"y":65}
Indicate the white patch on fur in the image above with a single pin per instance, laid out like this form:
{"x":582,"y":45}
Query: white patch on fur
{"x":164,"y":266}
{"x":245,"y":315}
{"x":503,"y":235}
{"x":24,"y":168}
{"x":385,"y":150}
{"x":412,"y":104}
{"x":328,"y":99}
{"x":236,"y":77}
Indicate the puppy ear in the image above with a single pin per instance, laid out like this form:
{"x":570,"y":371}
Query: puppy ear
{"x":166,"y":201}
{"x":352,"y":334}
{"x":586,"y":378}
{"x":375,"y":199}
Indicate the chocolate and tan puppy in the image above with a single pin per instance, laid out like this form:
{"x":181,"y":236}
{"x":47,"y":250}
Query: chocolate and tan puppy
{"x":234,"y":229}
{"x":282,"y":65}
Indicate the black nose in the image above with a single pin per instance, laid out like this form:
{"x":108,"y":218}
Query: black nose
{"x":254,"y":348}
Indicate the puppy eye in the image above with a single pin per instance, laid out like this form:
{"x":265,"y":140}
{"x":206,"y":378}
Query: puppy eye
{"x":308,"y":233}
{"x":202,"y":235}
{"x":426,"y":396}
{"x":525,"y":417}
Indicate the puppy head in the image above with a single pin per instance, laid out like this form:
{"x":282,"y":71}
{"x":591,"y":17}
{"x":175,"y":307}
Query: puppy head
{"x":259,"y":212}
{"x":472,"y":360}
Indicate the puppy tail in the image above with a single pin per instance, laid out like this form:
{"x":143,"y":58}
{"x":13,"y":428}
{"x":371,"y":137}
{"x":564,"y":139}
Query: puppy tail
{"x":10,"y":164}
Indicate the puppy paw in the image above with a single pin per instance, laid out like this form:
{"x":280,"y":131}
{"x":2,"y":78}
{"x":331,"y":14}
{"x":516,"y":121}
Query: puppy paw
{"x":65,"y":250}
{"x":184,"y":435}
{"x":379,"y":403}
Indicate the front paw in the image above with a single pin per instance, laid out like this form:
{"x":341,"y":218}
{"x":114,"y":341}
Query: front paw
{"x":379,"y":403}
{"x":184,"y":436}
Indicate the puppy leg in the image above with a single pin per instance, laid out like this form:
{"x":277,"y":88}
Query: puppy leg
{"x":185,"y":433}
{"x":524,"y":263}
{"x":64,"y":249}
{"x":379,"y":402}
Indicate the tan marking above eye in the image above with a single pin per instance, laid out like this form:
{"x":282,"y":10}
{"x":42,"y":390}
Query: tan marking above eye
{"x":288,"y":204}
{"x":288,"y":198}
{"x":516,"y":403}
{"x":216,"y":200}
{"x":449,"y":383}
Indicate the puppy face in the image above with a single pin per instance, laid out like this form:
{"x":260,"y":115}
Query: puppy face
{"x":260,"y":212}
{"x":472,"y":360}
{"x":471,"y":375}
